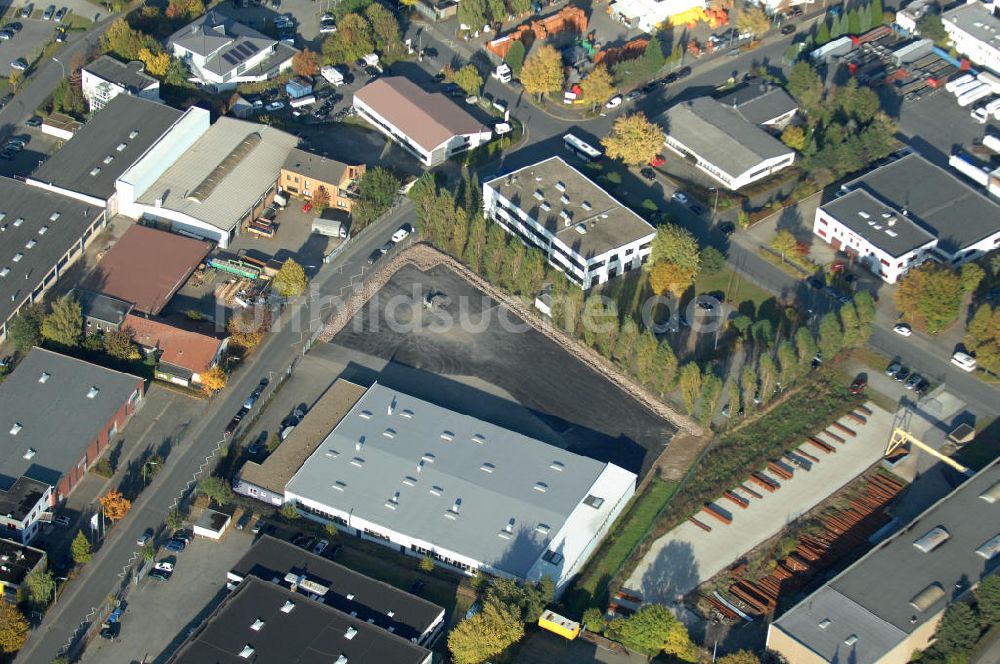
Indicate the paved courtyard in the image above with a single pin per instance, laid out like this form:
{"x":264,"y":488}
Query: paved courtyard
{"x":687,"y":555}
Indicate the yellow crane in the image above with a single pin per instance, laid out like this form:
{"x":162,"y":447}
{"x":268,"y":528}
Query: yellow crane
{"x":901,"y":437}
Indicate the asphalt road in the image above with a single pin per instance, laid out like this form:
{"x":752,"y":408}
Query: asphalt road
{"x":101,"y":576}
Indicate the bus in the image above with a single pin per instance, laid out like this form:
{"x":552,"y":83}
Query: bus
{"x":581,"y":149}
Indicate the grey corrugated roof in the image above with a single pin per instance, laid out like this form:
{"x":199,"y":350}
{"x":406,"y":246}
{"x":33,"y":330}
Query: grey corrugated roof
{"x":720,"y":135}
{"x":128,"y":75}
{"x":101,"y":307}
{"x":759,"y":103}
{"x":604,"y":233}
{"x":955,"y":213}
{"x":309,"y":633}
{"x":70,"y":167}
{"x":848,"y":210}
{"x":238,"y":187}
{"x":35,"y":207}
{"x":418,"y":459}
{"x":57,"y":418}
{"x":871,"y":599}
{"x":385,"y":606}
{"x":315,"y":166}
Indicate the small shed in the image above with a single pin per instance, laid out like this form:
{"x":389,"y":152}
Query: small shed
{"x":299,"y":87}
{"x":212,"y":524}
{"x":241,"y":108}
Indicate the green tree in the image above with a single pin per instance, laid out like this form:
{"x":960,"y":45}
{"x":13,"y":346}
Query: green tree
{"x":805,"y":84}
{"x":805,"y":347}
{"x":739,"y":657}
{"x":959,"y":630}
{"x":118,"y":344}
{"x":217,"y":489}
{"x":853,"y":22}
{"x":689,"y":383}
{"x":877,"y":16}
{"x":633,"y":139}
{"x":711,"y":390}
{"x":484,"y":635}
{"x":493,"y":252}
{"x":25,"y":331}
{"x":653,"y":629}
{"x":474,"y":241}
{"x":515,"y":57}
{"x":377,"y":190}
{"x":352,"y":40}
{"x":972,"y":275}
{"x":831,"y":336}
{"x":930,"y":292}
{"x":762,"y":332}
{"x":125,"y":42}
{"x":542,"y":72}
{"x":385,"y":31}
{"x":469,"y":79}
{"x":664,"y":368}
{"x":823,"y":34}
{"x":794,"y":137}
{"x":175,"y":519}
{"x":785,"y":244}
{"x":40,"y":585}
{"x":853,"y":337}
{"x":753,"y":20}
{"x":475,"y":14}
{"x":864,"y":304}
{"x":525,"y":601}
{"x":676,"y":245}
{"x":290,"y":280}
{"x":988,"y":599}
{"x":788,"y":363}
{"x":767,"y":374}
{"x":711,"y":261}
{"x":625,"y":343}
{"x":645,"y":356}
{"x":931,"y":27}
{"x":652,"y":56}
{"x":64,"y":325}
{"x":742,"y":324}
{"x":13,"y":628}
{"x":598,"y":86}
{"x":593,"y":620}
{"x":79,"y":550}
{"x":289,"y":512}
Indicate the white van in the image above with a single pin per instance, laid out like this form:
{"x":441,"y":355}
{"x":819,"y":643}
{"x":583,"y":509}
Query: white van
{"x":332,"y":74}
{"x":502,"y":73}
{"x":964,"y":361}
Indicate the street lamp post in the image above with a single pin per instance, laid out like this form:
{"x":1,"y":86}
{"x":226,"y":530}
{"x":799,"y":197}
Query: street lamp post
{"x":61,"y":66}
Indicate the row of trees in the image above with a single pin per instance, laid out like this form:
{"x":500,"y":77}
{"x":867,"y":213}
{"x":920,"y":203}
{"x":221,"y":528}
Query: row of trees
{"x":370,"y":29}
{"x":857,"y":21}
{"x":652,"y":630}
{"x":982,"y":337}
{"x":479,"y":13}
{"x":506,"y":607}
{"x":932,"y":294}
{"x":964,"y":624}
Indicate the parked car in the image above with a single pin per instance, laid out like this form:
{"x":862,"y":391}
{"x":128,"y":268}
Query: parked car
{"x":727,"y":227}
{"x":680,"y":197}
{"x":146,"y":537}
{"x":902,"y":374}
{"x":274,"y":106}
{"x":6,"y":35}
{"x":633,"y":95}
{"x":859,"y":385}
{"x":183,"y":535}
{"x":111,"y":631}
{"x":670,"y":78}
{"x":26,"y":10}
{"x":914,"y":380}
{"x":788,"y":29}
{"x":60,"y":35}
{"x":33,"y":121}
{"x":815,"y":283}
{"x":903,"y":330}
{"x":402,"y":232}
{"x":160,"y":575}
{"x":387,"y":247}
{"x":19,"y":65}
{"x":60,"y":15}
{"x":374,"y":256}
{"x":614,"y":102}
{"x":648,"y":173}
{"x":257,"y":526}
{"x":893,"y":367}
{"x":8,"y":154}
{"x":683,"y":72}
{"x":164,"y":566}
{"x":175,"y":545}
{"x":62,"y":520}
{"x":320,"y":546}
{"x":49,"y":11}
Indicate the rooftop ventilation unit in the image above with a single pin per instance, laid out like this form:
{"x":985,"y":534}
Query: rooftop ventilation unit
{"x":891,"y":233}
{"x":389,"y":433}
{"x":851,"y":640}
{"x":581,"y":229}
{"x":990,"y":548}
{"x":447,"y":436}
{"x":557,"y":465}
{"x":54,"y":216}
{"x":16,"y":429}
{"x":133,"y":133}
{"x":543,"y":528}
{"x":992,"y":494}
{"x":30,"y":244}
{"x":44,"y":378}
{"x":541,"y":486}
{"x":109,"y":159}
{"x":30,"y":453}
{"x":409,"y":480}
{"x":823,"y":624}
{"x":18,"y":222}
{"x":436,"y":490}
{"x":4,"y":272}
{"x":564,"y":199}
{"x":332,"y":454}
{"x":479,"y":438}
{"x":560,"y":186}
{"x":257,"y":624}
{"x":586,"y":206}
{"x":287,"y":606}
{"x":358,"y":462}
{"x":539,"y":195}
{"x":43,"y":230}
{"x":487,"y":467}
{"x":342,"y":659}
{"x":358,"y":445}
{"x":864,"y":215}
{"x":365,"y":414}
{"x":393,"y":502}
{"x":350,"y":633}
{"x":95,"y":171}
{"x":339,"y":486}
{"x":593,"y":501}
{"x":17,"y":257}
{"x":407,"y":413}
{"x":427,"y":457}
{"x":93,"y":392}
{"x":121,"y":146}
{"x":932,"y":540}
{"x":926,"y":598}
{"x":3,"y":215}
{"x":247,"y":651}
{"x":545,"y":206}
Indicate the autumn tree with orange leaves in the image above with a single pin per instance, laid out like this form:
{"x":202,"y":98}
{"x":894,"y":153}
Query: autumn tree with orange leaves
{"x":306,"y":63}
{"x":115,"y":505}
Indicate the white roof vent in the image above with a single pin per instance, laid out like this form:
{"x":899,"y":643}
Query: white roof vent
{"x":16,"y":429}
{"x":332,"y":454}
{"x":95,"y":170}
{"x":357,"y":461}
{"x":393,"y":502}
{"x":436,"y":490}
{"x":30,"y":244}
{"x":17,"y":257}
{"x":543,"y":528}
{"x":133,"y":133}
{"x":851,"y":640}
{"x":43,"y":230}
{"x":361,"y":443}
{"x":545,"y":206}
{"x":93,"y":392}
{"x":541,"y":486}
{"x":339,"y":486}
{"x":288,"y":606}
{"x":257,"y":624}
{"x":487,"y":467}
{"x":365,"y":414}
{"x":586,"y":205}
{"x":932,"y":540}
{"x":350,"y":633}
{"x":247,"y":651}
{"x":121,"y":146}
{"x":560,"y":186}
{"x":581,"y":229}
{"x":409,"y":480}
{"x":428,"y":457}
{"x":447,"y":435}
{"x":891,"y":233}
{"x":557,"y":465}
{"x":479,"y":438}
{"x":990,"y":548}
{"x":823,"y":624}
{"x":109,"y":159}
{"x":44,"y":378}
{"x":53,"y":216}
{"x":864,"y":215}
{"x":564,"y":199}
{"x":342,"y":659}
{"x":30,"y":453}
{"x":539,"y":195}
{"x":4,"y":272}
{"x":389,"y":433}
{"x":18,"y":222}
{"x":992,"y":495}
{"x":407,"y":413}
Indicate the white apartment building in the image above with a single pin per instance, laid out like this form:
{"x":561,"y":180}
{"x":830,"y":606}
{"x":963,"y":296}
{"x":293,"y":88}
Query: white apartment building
{"x":723,"y":142}
{"x":906,"y":212}
{"x":581,"y":229}
{"x":428,"y":125}
{"x":974,"y":29}
{"x":222,"y":52}
{"x":105,"y":78}
{"x":426,"y":480}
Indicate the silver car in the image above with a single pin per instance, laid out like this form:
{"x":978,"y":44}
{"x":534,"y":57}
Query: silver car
{"x":49,"y":11}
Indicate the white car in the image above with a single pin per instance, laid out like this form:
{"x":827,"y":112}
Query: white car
{"x":680,"y":197}
{"x":614,"y":102}
{"x":401,"y":234}
{"x":902,"y":330}
{"x":274,"y":106}
{"x":164,"y":566}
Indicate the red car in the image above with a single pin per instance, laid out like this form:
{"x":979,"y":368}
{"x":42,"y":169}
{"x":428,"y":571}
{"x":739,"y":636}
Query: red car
{"x":658,"y":160}
{"x":859,"y":385}
{"x":307,"y":207}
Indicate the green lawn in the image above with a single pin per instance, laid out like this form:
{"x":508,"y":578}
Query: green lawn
{"x":591,"y":588}
{"x":736,"y":288}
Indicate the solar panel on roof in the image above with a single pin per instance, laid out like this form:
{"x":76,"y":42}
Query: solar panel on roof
{"x":253,"y":48}
{"x":229,"y":58}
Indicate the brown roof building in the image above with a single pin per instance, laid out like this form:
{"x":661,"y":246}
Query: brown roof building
{"x":183,"y":355}
{"x":147,"y":267}
{"x":304,"y":173}
{"x":428,"y":125}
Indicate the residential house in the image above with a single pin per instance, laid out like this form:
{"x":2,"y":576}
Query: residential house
{"x":304,"y":173}
{"x":183,"y":356}
{"x":105,"y":78}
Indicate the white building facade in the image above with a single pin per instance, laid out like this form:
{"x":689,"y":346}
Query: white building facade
{"x":974,"y":30}
{"x":719,"y":172}
{"x":580,"y":228}
{"x":105,"y":78}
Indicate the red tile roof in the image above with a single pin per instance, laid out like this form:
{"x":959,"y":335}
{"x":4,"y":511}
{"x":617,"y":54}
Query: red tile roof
{"x":181,"y":348}
{"x":147,"y":267}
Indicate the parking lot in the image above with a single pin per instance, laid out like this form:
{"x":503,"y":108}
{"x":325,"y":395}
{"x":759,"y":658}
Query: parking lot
{"x":38,"y":148}
{"x":935,"y":124}
{"x":477,"y":357}
{"x":27,"y":43}
{"x":159,"y":614}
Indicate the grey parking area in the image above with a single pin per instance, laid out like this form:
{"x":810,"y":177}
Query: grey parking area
{"x":935,"y":125}
{"x":305,"y":12}
{"x":159,"y":614}
{"x":476,"y":357}
{"x":38,"y":148}
{"x":27,"y":43}
{"x":541,"y":647}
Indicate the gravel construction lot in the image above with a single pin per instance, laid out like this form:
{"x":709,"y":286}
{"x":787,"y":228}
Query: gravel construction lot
{"x":160,"y":613}
{"x":476,"y":342}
